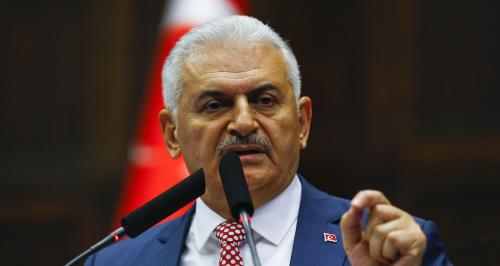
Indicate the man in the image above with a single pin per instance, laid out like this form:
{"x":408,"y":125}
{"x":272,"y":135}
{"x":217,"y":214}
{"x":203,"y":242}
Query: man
{"x":233,"y":85}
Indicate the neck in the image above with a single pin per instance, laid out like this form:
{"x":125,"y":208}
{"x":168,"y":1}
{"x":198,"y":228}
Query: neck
{"x":218,"y":205}
{"x":260,"y":196}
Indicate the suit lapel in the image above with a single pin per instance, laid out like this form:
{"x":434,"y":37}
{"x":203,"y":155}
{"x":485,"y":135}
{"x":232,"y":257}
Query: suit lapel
{"x":319,"y":213}
{"x":171,"y":242}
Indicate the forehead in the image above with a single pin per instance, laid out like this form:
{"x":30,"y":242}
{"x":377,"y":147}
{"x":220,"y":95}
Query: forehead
{"x":235,"y":63}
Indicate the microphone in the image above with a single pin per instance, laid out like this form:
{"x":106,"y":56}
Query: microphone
{"x":238,"y":197}
{"x":152,"y":212}
{"x":164,"y":204}
{"x":235,"y":185}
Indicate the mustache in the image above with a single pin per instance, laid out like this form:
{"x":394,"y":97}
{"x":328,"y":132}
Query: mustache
{"x":252,"y":139}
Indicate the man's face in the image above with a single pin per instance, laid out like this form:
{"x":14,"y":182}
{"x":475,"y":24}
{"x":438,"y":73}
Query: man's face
{"x":238,"y":99}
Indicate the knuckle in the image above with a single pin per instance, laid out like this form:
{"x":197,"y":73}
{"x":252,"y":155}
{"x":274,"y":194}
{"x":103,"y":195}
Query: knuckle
{"x":375,"y":193}
{"x":378,"y":231}
{"x":370,"y":192}
{"x":406,"y":215}
{"x":376,"y":209}
{"x":420,"y":236}
{"x":392,"y":237}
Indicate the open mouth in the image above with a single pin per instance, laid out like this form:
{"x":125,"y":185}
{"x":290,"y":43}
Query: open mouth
{"x":248,"y":152}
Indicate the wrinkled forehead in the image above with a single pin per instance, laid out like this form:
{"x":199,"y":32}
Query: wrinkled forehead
{"x":234,"y":56}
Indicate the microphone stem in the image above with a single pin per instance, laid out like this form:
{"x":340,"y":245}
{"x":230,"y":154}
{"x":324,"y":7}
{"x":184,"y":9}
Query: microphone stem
{"x":113,"y":237}
{"x":245,"y":221}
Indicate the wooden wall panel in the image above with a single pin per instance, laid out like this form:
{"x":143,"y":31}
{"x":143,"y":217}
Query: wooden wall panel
{"x":72,"y":75}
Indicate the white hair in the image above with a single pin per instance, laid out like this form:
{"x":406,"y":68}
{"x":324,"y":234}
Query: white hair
{"x":226,"y":29}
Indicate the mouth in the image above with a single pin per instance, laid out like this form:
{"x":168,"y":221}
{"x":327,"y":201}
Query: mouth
{"x":241,"y":153}
{"x":245,"y":150}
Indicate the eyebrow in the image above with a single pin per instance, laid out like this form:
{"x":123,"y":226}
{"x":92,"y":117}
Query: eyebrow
{"x":263,"y":88}
{"x":215,"y":93}
{"x":210,"y":94}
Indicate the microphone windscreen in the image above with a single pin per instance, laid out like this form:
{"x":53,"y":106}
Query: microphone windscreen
{"x":164,"y":204}
{"x":235,"y":185}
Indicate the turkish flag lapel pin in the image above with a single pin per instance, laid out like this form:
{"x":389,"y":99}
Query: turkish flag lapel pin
{"x":329,"y":237}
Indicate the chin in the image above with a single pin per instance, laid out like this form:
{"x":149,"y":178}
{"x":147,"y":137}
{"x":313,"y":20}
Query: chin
{"x":257,"y":179}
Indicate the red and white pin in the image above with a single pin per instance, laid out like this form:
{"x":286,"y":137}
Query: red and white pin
{"x":329,"y":237}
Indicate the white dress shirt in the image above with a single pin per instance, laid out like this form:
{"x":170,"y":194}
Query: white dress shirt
{"x":274,"y":226}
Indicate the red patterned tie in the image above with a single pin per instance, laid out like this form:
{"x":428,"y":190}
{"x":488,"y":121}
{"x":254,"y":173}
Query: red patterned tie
{"x":230,"y":235}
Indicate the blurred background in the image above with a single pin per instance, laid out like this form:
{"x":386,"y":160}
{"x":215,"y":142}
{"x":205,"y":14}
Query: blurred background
{"x":406,"y":100}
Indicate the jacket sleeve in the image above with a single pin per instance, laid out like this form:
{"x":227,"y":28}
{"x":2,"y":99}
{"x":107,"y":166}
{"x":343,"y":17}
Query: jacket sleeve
{"x":90,"y":261}
{"x":434,"y":253}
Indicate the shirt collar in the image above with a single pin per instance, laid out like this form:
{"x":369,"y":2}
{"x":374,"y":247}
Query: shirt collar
{"x":271,"y":221}
{"x":204,"y":222}
{"x":275,"y":218}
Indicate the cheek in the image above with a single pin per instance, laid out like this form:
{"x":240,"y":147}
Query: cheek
{"x":200,"y":141}
{"x":200,"y":151}
{"x":284,"y":132}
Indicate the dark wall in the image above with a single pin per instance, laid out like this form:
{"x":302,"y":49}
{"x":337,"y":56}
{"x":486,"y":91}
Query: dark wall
{"x":405,"y":97}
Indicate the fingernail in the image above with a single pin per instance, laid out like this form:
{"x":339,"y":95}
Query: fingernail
{"x":356,"y":202}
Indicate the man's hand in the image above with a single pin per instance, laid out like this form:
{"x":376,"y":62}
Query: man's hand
{"x":391,"y":236}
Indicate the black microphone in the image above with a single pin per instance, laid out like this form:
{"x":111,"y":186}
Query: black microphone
{"x":164,"y":204}
{"x":235,"y":185}
{"x":152,"y":212}
{"x":238,"y":197}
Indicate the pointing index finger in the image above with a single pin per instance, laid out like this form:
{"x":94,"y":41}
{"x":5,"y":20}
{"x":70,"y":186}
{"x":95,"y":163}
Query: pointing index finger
{"x":351,"y":227}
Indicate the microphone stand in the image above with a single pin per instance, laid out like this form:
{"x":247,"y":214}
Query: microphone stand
{"x":245,"y":221}
{"x":113,"y":237}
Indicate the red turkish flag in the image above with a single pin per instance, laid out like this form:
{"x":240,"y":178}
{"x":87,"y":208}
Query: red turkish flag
{"x":151,"y":170}
{"x":329,"y":237}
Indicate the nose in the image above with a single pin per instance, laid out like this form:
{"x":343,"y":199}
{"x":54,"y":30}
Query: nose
{"x":243,"y":121}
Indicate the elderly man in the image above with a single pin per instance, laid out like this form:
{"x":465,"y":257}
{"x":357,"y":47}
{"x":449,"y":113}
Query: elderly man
{"x":233,"y":85}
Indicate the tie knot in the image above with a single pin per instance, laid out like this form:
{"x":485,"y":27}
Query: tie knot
{"x":230,"y":232}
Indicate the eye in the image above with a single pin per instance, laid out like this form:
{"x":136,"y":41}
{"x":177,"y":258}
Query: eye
{"x":213,"y":105}
{"x":265,"y":100}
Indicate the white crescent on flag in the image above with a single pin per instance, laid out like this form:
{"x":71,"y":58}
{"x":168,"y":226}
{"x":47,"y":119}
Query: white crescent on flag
{"x":195,"y":12}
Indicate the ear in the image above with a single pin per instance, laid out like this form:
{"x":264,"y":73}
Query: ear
{"x":305,"y":116}
{"x":169,"y":129}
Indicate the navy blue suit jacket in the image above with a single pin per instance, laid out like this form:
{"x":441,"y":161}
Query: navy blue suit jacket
{"x":318,"y":213}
